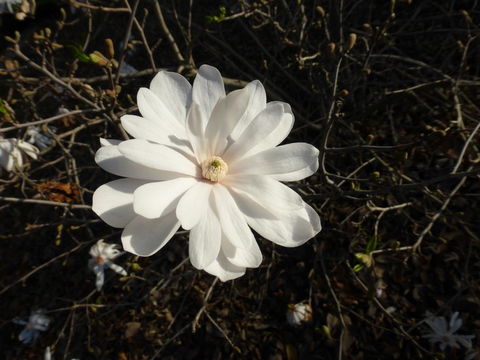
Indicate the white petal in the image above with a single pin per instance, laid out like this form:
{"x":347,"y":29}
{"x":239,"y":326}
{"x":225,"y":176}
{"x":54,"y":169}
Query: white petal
{"x":175,"y":92}
{"x":144,"y":237}
{"x":251,"y":257}
{"x":257,"y":102}
{"x":193,"y":204}
{"x":196,"y":132}
{"x":256,"y":132}
{"x":110,"y":159}
{"x":6,"y":160}
{"x":225,"y":116}
{"x":285,"y":228}
{"x":224,"y":269}
{"x":113,"y":201}
{"x":284,"y":125}
{"x":205,"y":239}
{"x":270,"y":193}
{"x":207,"y":89}
{"x":117,"y":268}
{"x":153,"y":109}
{"x":158,"y":157}
{"x":155,"y":199}
{"x":232,"y":221}
{"x":100,"y":279}
{"x":29,"y":149}
{"x":284,"y":162}
{"x":107,"y":142}
{"x":141,"y":128}
{"x":455,"y":322}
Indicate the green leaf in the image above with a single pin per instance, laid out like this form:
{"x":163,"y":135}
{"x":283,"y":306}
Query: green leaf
{"x":78,"y":53}
{"x":358,"y":267}
{"x":3,"y":109}
{"x":372,"y":244}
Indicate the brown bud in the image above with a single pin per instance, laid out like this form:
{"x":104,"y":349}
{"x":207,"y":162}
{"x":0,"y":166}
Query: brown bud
{"x":466,"y":15}
{"x":110,"y":48}
{"x":98,"y":58}
{"x":331,"y":48}
{"x":352,"y":39}
{"x":320,"y":10}
{"x":344,"y":92}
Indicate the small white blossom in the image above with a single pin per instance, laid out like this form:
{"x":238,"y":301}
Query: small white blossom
{"x":12,"y":153}
{"x":102,"y":255}
{"x":37,"y":322}
{"x":37,"y":138}
{"x":298,"y":314}
{"x":443,"y":334}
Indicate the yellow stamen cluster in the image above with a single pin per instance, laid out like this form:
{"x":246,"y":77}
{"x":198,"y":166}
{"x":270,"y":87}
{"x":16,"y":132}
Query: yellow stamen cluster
{"x":214,"y":168}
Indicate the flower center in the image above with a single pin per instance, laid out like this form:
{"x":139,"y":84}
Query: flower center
{"x":100,"y":260}
{"x":214,"y":168}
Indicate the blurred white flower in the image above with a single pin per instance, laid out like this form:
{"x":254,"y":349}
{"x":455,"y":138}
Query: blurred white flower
{"x":298,"y":314}
{"x":443,"y":334}
{"x":37,"y":322}
{"x":102,"y":255}
{"x":12,"y":153}
{"x":38,"y":138}
{"x":48,"y":354}
{"x":209,"y":162}
{"x":7,"y":5}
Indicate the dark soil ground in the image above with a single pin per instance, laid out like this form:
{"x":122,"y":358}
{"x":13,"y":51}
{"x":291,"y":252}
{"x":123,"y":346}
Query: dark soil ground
{"x":387,"y":90}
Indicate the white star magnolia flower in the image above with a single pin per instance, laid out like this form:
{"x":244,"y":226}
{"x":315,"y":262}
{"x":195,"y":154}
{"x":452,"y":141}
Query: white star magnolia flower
{"x":444,"y":335}
{"x":299,"y":313}
{"x":209,"y":162}
{"x":11,"y":156}
{"x":102,"y":255}
{"x":37,"y":322}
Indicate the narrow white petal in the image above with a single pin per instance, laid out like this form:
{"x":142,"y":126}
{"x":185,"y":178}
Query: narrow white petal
{"x":144,"y":237}
{"x":100,"y":276}
{"x":231,"y":219}
{"x":193,"y":204}
{"x":29,"y":149}
{"x":113,"y":201}
{"x":225,"y":116}
{"x":205,"y":239}
{"x":256,"y":103}
{"x":207,"y":89}
{"x":158,"y":157}
{"x":283,"y":126}
{"x":153,"y":109}
{"x":256,"y":132}
{"x":117,"y":268}
{"x":271,"y":193}
{"x":285,"y":228}
{"x":284,"y":162}
{"x":155,"y":199}
{"x":108,"y":142}
{"x":196,"y":132}
{"x":175,"y":92}
{"x":141,"y":128}
{"x":224,"y":269}
{"x":251,"y":257}
{"x":6,"y":160}
{"x":110,"y":159}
